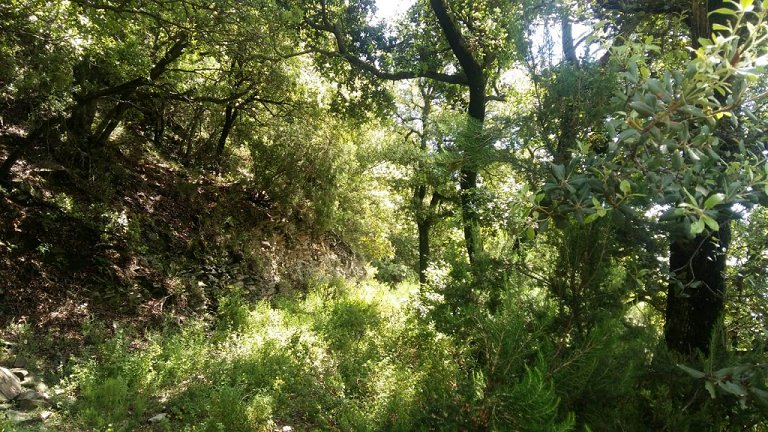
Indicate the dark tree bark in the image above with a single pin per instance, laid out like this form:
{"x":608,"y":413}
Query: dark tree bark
{"x":424,"y":225}
{"x":566,"y":139}
{"x":696,"y":296}
{"x":696,"y":299}
{"x":108,"y":125}
{"x":471,"y":139}
{"x":159,"y":123}
{"x":230,"y":115}
{"x":694,"y":311}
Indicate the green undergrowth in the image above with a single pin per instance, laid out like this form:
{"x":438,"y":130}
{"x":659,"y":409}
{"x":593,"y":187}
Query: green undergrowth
{"x":346,"y":357}
{"x":342,"y":358}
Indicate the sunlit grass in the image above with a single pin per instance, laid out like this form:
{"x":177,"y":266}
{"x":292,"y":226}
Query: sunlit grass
{"x":345,"y":357}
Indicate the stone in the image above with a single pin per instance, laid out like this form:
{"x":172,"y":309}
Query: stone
{"x":45,"y":414}
{"x":43,"y":389}
{"x":32,"y":404}
{"x":158,"y":418}
{"x":30,"y":399}
{"x":20,"y":373}
{"x":20,"y":362}
{"x":10,"y":386}
{"x":28,"y":395}
{"x":21,"y":417}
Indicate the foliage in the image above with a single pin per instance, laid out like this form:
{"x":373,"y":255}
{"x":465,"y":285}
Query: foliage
{"x":187,"y":189}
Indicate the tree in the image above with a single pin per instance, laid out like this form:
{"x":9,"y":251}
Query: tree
{"x":479,"y":37}
{"x":675,"y":143}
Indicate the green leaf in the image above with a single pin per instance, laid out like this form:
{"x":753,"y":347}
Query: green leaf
{"x":642,"y":107}
{"x":697,"y":227}
{"x":732,"y":388}
{"x":558,"y":171}
{"x":691,"y":199}
{"x":713,"y":200}
{"x":530,"y":233}
{"x":710,"y":388}
{"x":710,"y":222}
{"x":624,"y":135}
{"x":723,"y":11}
{"x":746,"y":4}
{"x":692,"y":372}
{"x":625,"y":187}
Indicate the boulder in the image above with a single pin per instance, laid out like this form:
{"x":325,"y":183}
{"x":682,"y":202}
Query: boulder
{"x":158,"y":418}
{"x":20,"y":373}
{"x":10,"y":386}
{"x":30,"y":399}
{"x":21,"y":417}
{"x":20,"y":362}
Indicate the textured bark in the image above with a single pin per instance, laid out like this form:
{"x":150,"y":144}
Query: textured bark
{"x":694,"y":311}
{"x":566,"y":139}
{"x":471,"y":138}
{"x":424,"y":227}
{"x":230,"y":115}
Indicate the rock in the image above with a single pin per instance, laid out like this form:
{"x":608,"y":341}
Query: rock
{"x":43,"y":389}
{"x":20,"y":362}
{"x":20,"y":373}
{"x":10,"y":386}
{"x":30,"y":399}
{"x":5,"y":406}
{"x":45,"y":414}
{"x":28,"y":395}
{"x":32,"y":404}
{"x":21,"y":417}
{"x":158,"y":418}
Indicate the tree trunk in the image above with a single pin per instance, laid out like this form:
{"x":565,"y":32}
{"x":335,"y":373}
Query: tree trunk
{"x":424,"y":227}
{"x":471,"y":140}
{"x":568,"y":123}
{"x":159,"y":124}
{"x":109,"y":124}
{"x":230,"y":115}
{"x":694,"y":310}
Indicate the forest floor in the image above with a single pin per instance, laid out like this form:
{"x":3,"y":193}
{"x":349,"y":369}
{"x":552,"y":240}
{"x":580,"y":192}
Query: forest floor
{"x":132,"y":242}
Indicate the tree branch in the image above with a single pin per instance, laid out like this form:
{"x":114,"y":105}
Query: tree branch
{"x":351,"y":58}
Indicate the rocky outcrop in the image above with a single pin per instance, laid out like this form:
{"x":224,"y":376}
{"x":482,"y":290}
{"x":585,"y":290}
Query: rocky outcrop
{"x":23,"y":397}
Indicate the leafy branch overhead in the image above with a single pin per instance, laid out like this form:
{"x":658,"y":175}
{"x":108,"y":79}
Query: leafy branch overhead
{"x":676,"y":138}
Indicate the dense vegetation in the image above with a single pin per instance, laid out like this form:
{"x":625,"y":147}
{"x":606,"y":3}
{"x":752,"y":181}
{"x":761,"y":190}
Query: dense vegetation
{"x":293,"y":215}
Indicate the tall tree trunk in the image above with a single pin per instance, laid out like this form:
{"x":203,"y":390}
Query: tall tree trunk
{"x":471,"y":141}
{"x":424,"y":226}
{"x":695,"y":300}
{"x":108,"y":125}
{"x":693,"y":312}
{"x":230,"y":115}
{"x":158,"y":132}
{"x":566,"y":139}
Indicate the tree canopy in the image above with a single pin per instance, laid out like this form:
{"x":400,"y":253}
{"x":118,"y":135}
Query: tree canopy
{"x":567,"y":199}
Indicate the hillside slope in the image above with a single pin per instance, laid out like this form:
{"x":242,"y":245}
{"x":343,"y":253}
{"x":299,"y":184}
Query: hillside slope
{"x":136,"y":237}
